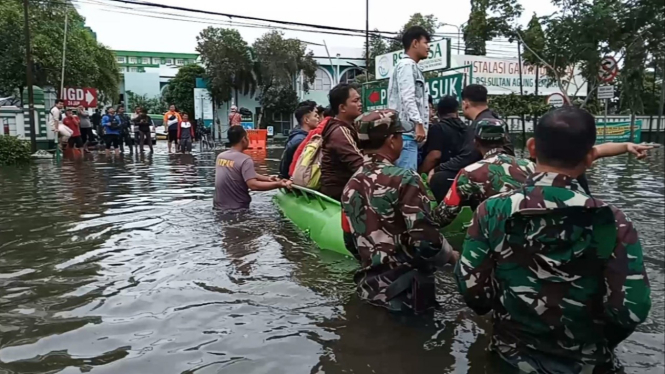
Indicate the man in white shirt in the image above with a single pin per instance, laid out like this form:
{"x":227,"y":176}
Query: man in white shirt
{"x":55,"y":119}
{"x":408,"y":94}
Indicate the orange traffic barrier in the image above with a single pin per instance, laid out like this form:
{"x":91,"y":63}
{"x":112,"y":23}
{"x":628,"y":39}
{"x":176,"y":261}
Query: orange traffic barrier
{"x":258,"y":139}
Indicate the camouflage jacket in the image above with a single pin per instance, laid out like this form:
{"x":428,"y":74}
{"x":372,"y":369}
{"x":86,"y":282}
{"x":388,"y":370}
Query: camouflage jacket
{"x":497,"y":172}
{"x":387,"y":211}
{"x":562,"y":273}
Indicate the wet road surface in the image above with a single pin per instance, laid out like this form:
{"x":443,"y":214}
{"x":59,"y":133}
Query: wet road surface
{"x":119,"y":265}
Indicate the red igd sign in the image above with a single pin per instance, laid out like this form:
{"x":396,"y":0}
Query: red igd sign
{"x":85,"y":97}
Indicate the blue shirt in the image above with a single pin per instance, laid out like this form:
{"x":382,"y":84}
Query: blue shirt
{"x":106,"y":123}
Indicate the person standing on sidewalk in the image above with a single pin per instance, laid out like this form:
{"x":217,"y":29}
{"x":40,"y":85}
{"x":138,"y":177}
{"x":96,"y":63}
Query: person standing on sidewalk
{"x":112,"y":130}
{"x":72,"y":122}
{"x":85,"y":127}
{"x":171,"y":120}
{"x":235,"y":119}
{"x":185,"y":134}
{"x":126,"y":133}
{"x":408,"y":94}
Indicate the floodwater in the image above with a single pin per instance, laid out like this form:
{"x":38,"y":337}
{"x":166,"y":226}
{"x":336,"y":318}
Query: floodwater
{"x":121,"y":266}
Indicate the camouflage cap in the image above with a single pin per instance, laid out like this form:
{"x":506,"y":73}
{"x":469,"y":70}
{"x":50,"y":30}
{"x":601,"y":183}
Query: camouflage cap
{"x":379,"y":124}
{"x":490,"y":129}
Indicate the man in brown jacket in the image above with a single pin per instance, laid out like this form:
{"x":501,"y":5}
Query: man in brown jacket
{"x":341,"y":157}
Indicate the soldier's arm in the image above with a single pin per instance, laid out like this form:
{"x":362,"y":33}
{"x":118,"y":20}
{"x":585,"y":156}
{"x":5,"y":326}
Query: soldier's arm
{"x":458,"y":195}
{"x":627,"y":298}
{"x":424,"y":239}
{"x":474,"y":271}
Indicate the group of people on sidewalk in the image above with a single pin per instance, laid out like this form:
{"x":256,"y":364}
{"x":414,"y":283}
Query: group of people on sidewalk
{"x":560,"y":270}
{"x":116,"y":129}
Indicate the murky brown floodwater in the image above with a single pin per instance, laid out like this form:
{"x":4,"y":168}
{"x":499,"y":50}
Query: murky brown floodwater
{"x":121,"y":266}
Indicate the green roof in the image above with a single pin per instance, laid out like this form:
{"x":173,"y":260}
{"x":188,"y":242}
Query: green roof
{"x":155,"y":54}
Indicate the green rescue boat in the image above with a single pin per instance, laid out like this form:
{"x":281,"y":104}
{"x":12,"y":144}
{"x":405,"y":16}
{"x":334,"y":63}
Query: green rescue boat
{"x":320,"y":217}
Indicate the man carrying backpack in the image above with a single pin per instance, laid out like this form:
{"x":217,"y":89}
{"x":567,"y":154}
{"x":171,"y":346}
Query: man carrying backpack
{"x":307,"y":121}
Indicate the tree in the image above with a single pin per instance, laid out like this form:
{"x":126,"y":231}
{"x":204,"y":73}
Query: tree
{"x":180,"y":90}
{"x":228,"y":64}
{"x":279,"y":63}
{"x":154,"y":105}
{"x":377,"y":47}
{"x":582,"y":32}
{"x":489,"y":19}
{"x":428,"y":22}
{"x":88,"y":63}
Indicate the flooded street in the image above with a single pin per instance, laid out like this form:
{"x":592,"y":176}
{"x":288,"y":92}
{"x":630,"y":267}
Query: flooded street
{"x":121,"y":266}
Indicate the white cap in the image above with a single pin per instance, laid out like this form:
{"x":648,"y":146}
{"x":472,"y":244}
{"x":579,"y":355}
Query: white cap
{"x":234,"y":108}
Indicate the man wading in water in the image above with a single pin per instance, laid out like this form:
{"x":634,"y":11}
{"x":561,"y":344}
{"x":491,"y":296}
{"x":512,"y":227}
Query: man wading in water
{"x":561,"y":271}
{"x":387,"y":212}
{"x":235,"y":174}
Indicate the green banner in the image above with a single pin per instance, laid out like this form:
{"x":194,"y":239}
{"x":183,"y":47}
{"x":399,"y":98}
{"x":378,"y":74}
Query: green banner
{"x":375,"y":94}
{"x":617,"y":132}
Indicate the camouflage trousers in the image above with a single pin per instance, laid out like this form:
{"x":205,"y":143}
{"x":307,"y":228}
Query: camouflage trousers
{"x":541,"y":363}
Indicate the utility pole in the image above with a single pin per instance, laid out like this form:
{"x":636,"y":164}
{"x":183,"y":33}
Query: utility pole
{"x":367,"y":35}
{"x":519,"y":57}
{"x":28,"y":78}
{"x":64,"y":52}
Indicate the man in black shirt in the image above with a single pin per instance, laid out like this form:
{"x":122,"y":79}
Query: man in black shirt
{"x":445,"y":137}
{"x":474,"y":107}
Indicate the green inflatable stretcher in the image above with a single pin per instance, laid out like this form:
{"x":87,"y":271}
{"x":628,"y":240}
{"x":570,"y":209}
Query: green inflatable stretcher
{"x":320,"y":217}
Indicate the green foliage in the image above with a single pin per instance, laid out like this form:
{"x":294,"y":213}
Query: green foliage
{"x":281,"y":60}
{"x":377,"y":47}
{"x":14,"y":151}
{"x":581,"y":32}
{"x":489,"y":19}
{"x":180,"y":90}
{"x":429,"y":22}
{"x":534,"y":37}
{"x":516,"y":105}
{"x":88,"y":63}
{"x":228,"y":63}
{"x":279,"y":99}
{"x":155,"y":105}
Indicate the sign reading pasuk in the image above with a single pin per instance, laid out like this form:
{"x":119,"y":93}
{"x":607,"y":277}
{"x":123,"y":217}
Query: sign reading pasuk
{"x":85,"y":97}
{"x":437,"y":59}
{"x":375,"y":95}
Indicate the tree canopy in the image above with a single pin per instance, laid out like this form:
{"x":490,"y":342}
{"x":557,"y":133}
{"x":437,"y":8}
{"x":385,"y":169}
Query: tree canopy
{"x":180,"y":90}
{"x":489,"y":19}
{"x":88,"y":63}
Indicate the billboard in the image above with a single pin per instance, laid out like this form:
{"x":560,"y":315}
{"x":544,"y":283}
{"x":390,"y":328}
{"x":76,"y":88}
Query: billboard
{"x":501,"y":76}
{"x":375,"y":94}
{"x":438,"y":59}
{"x":617,"y":132}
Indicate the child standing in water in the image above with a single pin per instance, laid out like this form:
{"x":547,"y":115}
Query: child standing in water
{"x":185,"y":134}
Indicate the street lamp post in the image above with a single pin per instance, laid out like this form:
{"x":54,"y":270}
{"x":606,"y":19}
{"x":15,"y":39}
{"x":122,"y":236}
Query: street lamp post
{"x":459,"y":34}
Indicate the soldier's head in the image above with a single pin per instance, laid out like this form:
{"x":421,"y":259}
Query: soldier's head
{"x":563,"y":141}
{"x":345,"y":102}
{"x":447,"y":107}
{"x":238,"y":138}
{"x":474,"y":100}
{"x":380,"y":132}
{"x":490,"y":134}
{"x":307,"y":117}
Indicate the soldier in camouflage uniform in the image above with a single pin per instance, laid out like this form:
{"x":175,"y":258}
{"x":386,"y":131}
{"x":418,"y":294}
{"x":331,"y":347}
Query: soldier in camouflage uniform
{"x":497,"y":172}
{"x":387,"y":214}
{"x":561,"y":271}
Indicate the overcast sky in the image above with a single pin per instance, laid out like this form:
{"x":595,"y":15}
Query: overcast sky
{"x":133,"y":32}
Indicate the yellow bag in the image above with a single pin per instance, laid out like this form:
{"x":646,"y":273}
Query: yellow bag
{"x":307,"y":172}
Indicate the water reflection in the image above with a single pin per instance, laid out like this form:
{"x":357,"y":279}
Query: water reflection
{"x":120,"y":265}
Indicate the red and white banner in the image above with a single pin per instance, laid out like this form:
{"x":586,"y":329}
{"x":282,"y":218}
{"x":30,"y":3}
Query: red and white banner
{"x":85,"y":97}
